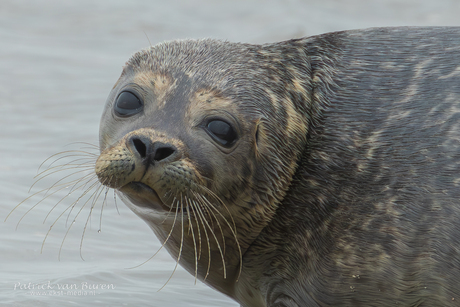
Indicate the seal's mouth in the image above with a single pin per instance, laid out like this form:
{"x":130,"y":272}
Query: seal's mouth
{"x":142,"y":195}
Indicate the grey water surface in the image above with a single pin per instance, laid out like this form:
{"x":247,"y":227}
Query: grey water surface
{"x":58,"y":62}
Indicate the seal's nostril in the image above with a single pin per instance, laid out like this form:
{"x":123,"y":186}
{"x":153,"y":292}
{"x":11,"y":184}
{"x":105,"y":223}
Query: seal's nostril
{"x":140,"y":147}
{"x":150,"y":152}
{"x":163,"y":152}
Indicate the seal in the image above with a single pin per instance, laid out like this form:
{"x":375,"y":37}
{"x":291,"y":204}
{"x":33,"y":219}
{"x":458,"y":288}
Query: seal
{"x":322,"y":171}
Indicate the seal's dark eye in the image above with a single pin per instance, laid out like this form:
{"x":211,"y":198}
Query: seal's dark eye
{"x":127,"y":104}
{"x":222,"y":132}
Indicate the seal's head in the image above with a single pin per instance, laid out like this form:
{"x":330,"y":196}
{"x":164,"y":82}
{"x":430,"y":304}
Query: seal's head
{"x":190,"y":138}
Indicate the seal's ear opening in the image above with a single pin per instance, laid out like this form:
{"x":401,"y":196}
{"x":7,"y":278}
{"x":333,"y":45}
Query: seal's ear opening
{"x":257,"y":134}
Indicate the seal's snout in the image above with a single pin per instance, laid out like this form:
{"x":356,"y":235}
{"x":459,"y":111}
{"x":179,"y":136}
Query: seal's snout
{"x":151,"y":152}
{"x":140,"y":156}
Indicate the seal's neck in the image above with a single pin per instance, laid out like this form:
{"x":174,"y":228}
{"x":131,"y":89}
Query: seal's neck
{"x":297,"y":235}
{"x":293,"y":239}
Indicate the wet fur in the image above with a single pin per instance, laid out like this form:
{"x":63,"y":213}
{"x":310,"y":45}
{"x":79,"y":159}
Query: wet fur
{"x":351,"y":176}
{"x":372,"y":217}
{"x":348,"y":194}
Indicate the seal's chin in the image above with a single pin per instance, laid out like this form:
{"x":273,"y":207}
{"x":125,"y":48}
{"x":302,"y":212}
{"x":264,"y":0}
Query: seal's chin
{"x":141,"y":195}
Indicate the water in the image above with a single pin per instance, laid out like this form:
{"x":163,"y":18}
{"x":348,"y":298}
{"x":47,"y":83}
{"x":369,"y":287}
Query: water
{"x":58,"y":61}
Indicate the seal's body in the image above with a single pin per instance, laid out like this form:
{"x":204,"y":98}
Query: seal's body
{"x":322,"y":171}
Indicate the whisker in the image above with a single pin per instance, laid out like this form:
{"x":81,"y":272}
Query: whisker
{"x":17,"y":206}
{"x":164,"y":243}
{"x":65,"y":177}
{"x":51,"y":227}
{"x":91,"y":146}
{"x":92,"y":177}
{"x":63,"y":186}
{"x":78,"y":166}
{"x":218,"y":244}
{"x":215,"y":217}
{"x":193,"y":238}
{"x":104,"y":203}
{"x":230,"y":227}
{"x":197,"y":227}
{"x":221,"y":202}
{"x":88,"y":160}
{"x":115,"y":201}
{"x":181,"y":242}
{"x":81,"y":142}
{"x":95,"y":196}
{"x":64,"y":152}
{"x":71,"y":206}
{"x":201,"y":217}
{"x":84,"y":194}
{"x":73,"y":189}
{"x":76,"y":216}
{"x":82,"y":167}
{"x":169,"y":212}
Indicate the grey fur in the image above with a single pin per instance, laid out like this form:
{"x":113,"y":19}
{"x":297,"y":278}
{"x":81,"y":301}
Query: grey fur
{"x":359,"y":191}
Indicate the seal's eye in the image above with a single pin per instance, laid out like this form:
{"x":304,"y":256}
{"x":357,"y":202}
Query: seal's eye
{"x":127,"y":104}
{"x":222,"y":132}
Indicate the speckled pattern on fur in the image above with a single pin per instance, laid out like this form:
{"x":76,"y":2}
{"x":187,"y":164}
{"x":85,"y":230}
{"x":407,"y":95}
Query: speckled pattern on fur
{"x":343,"y":185}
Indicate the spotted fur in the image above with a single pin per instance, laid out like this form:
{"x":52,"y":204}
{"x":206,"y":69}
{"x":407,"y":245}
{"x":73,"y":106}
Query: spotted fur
{"x":342,"y":188}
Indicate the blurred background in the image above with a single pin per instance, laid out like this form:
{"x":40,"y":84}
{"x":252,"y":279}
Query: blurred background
{"x":58,"y":62}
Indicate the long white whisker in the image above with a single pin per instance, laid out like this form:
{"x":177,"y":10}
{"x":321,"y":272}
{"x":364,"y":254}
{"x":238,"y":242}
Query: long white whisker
{"x":181,"y":242}
{"x":201,"y":217}
{"x":191,"y":204}
{"x":169,"y":212}
{"x":210,"y":212}
{"x":63,"y":178}
{"x":64,"y":152}
{"x":63,"y":186}
{"x":95,"y":196}
{"x":193,"y":237}
{"x":164,"y":243}
{"x":84,"y":194}
{"x":218,"y":245}
{"x":104,"y":203}
{"x":76,"y":216}
{"x":73,"y":189}
{"x":88,"y":161}
{"x":212,"y":194}
{"x":230,"y":227}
